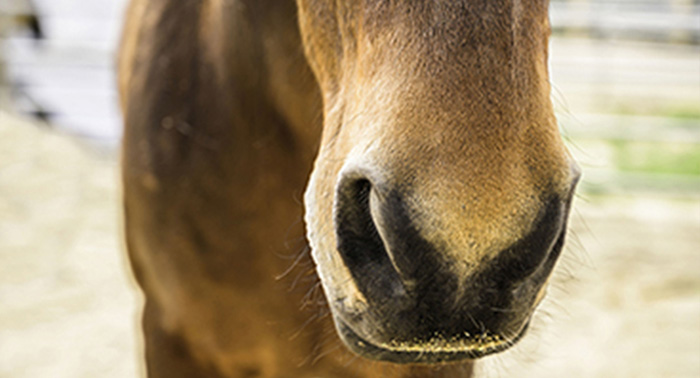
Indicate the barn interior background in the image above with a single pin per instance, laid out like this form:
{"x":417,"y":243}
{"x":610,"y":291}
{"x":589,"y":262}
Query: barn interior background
{"x":626,"y":303}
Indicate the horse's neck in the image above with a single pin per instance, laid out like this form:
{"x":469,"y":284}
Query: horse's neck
{"x":255,"y":49}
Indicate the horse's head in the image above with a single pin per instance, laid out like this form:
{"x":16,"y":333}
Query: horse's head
{"x":438,"y":202}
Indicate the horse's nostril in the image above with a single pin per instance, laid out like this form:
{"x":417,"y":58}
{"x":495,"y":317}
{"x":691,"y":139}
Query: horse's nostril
{"x":359,"y":242}
{"x":358,"y":239}
{"x":541,"y":245}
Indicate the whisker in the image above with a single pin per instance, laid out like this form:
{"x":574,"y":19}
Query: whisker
{"x":293,"y":265}
{"x":326,"y":353}
{"x":301,"y":328}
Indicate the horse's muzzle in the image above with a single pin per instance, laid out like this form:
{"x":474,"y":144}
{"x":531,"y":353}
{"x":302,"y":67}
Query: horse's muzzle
{"x":417,"y":306}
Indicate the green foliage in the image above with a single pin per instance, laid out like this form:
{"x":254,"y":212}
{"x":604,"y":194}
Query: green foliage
{"x":651,"y":157}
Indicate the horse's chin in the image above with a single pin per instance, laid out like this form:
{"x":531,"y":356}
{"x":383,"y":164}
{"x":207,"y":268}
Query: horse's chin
{"x":434,"y":351}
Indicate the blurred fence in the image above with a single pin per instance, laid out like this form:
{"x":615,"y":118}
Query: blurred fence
{"x":627,"y":89}
{"x":648,"y":20}
{"x":68,"y":76}
{"x":626,"y":76}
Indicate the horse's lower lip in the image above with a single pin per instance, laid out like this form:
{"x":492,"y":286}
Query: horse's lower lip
{"x":423,"y":356}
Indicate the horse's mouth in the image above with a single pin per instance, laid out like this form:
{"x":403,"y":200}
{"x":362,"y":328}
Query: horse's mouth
{"x":437,"y":350}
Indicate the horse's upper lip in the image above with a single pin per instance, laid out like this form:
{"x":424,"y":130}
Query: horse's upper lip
{"x":436,"y":351}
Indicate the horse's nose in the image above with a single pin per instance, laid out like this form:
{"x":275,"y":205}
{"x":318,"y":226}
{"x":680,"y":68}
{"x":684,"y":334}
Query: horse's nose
{"x":383,"y":244}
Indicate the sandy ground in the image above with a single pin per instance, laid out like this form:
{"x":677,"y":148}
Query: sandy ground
{"x":67,"y":307}
{"x":625,"y":301}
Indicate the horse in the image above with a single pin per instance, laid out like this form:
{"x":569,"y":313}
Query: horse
{"x":436,"y":186}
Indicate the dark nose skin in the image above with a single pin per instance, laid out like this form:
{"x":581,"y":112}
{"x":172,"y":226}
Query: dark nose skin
{"x":361,"y":246}
{"x":544,"y":241}
{"x":407,"y":280}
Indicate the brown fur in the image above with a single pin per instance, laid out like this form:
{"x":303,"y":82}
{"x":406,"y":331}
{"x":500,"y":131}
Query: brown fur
{"x":223,"y":118}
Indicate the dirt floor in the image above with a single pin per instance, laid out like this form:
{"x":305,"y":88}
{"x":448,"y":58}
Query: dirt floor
{"x":625,"y":301}
{"x":67,"y":307}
